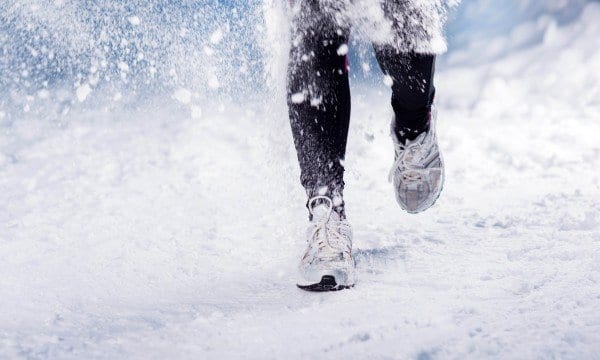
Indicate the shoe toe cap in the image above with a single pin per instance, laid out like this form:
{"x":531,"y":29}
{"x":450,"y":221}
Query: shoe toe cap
{"x":416,"y":192}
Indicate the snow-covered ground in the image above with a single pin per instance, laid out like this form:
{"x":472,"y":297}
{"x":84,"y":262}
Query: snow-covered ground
{"x":175,"y":232}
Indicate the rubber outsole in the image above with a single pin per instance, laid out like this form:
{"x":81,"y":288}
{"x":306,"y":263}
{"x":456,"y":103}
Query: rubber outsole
{"x":327,"y":283}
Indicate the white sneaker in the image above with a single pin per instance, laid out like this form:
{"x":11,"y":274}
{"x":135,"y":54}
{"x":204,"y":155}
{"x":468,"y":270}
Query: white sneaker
{"x":327,"y":263}
{"x":418,"y":171}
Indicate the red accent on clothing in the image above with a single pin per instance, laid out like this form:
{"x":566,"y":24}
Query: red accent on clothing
{"x":346,"y":63}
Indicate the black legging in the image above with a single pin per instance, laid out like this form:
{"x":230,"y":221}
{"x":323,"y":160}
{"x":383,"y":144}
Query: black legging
{"x":319,"y":94}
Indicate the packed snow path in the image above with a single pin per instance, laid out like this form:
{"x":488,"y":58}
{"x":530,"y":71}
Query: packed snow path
{"x":161,"y":234}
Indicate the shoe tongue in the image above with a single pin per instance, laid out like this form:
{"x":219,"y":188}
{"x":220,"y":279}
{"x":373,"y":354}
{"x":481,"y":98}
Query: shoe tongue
{"x":322,"y":211}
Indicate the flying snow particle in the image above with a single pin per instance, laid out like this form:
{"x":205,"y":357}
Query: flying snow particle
{"x":123,"y":66}
{"x":82,"y":92}
{"x":213,"y":82}
{"x":196,"y":112}
{"x":298,"y":98}
{"x":182,"y":95}
{"x":134,"y":20}
{"x":43,"y":94}
{"x":387,"y":80}
{"x":337,"y":200}
{"x":93,"y":80}
{"x":315,"y":102}
{"x":342,"y":50}
{"x":216,"y":36}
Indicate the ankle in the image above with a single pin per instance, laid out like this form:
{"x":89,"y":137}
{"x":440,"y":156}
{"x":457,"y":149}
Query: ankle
{"x":333,"y":193}
{"x":410,"y":129}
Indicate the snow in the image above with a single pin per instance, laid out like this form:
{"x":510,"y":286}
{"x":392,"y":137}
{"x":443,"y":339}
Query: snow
{"x":213,"y":81}
{"x":196,"y":111}
{"x":123,"y":66}
{"x":174,"y":232}
{"x":83,"y":91}
{"x":184,"y":96}
{"x":134,"y":20}
{"x":342,"y":50}
{"x":216,"y":36}
{"x":388,"y":81}
{"x":298,"y":98}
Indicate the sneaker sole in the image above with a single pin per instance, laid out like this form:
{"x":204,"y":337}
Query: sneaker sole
{"x":327,"y":283}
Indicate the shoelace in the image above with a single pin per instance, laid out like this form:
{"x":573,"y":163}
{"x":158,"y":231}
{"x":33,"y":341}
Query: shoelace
{"x":416,"y":160}
{"x":414,"y":147}
{"x":333,"y":239}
